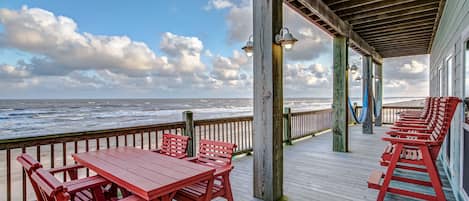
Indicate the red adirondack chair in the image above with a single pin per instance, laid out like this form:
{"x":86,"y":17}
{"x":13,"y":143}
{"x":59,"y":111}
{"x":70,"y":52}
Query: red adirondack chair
{"x":415,"y":152}
{"x":217,"y":155}
{"x":51,"y":189}
{"x":425,"y":126}
{"x":174,"y":146}
{"x":418,"y":114}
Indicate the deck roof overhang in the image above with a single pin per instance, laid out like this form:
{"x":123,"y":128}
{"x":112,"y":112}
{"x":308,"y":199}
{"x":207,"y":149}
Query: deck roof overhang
{"x":379,"y":28}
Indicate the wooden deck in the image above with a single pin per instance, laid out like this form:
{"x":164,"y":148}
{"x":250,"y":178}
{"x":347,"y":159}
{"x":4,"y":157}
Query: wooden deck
{"x":313,"y":172}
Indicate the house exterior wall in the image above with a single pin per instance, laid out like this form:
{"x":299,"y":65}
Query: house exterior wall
{"x":449,"y":43}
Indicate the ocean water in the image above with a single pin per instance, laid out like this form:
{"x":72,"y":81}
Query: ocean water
{"x":23,"y":118}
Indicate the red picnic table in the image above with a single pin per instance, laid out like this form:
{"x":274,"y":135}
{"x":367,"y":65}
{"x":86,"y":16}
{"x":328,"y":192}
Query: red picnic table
{"x":149,"y":175}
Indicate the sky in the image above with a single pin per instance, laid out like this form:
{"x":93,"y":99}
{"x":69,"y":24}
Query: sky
{"x":164,"y":49}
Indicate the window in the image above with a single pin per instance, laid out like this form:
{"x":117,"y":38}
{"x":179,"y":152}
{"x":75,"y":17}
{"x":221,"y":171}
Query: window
{"x":449,"y":92}
{"x":440,"y":74}
{"x":465,"y":139}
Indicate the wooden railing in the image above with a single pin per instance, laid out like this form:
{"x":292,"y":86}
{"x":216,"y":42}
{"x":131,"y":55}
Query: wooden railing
{"x":56,"y":150}
{"x":390,"y":114}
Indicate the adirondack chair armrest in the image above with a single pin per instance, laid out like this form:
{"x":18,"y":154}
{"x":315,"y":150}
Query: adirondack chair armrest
{"x":405,"y":141}
{"x":65,"y":168}
{"x":182,"y":156}
{"x":192,"y":159}
{"x":78,"y":185}
{"x":156,"y":150}
{"x":223,"y":170}
{"x":406,"y":133}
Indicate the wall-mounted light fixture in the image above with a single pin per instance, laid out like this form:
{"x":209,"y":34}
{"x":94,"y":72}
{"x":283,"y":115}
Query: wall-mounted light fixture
{"x":354,"y":69}
{"x":249,"y":47}
{"x":358,"y":78}
{"x":285,"y":39}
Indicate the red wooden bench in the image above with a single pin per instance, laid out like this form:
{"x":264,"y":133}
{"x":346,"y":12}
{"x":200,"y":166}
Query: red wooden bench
{"x":51,"y":189}
{"x":217,"y":155}
{"x":415,"y":152}
{"x":174,"y":146}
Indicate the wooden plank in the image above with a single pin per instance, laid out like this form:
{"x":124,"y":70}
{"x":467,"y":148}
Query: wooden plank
{"x":268,"y":101}
{"x":314,"y":173}
{"x":367,"y":74}
{"x":340,"y":94}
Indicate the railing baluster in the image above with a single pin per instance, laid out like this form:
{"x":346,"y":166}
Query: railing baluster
{"x":8,"y":158}
{"x":52,"y":157}
{"x":23,"y":178}
{"x":64,"y":158}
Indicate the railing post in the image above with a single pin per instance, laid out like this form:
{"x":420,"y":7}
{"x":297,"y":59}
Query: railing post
{"x":188,"y":117}
{"x":287,"y":125}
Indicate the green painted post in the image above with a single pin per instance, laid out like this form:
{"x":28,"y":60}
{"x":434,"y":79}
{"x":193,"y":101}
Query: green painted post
{"x":340,"y":94}
{"x":367,"y":125}
{"x":188,"y":117}
{"x":287,"y":125}
{"x":379,"y":95}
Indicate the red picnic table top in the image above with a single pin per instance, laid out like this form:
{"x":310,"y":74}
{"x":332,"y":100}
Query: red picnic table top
{"x":147,"y":174}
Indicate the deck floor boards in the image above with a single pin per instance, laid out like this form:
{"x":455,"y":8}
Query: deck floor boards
{"x":312,"y":172}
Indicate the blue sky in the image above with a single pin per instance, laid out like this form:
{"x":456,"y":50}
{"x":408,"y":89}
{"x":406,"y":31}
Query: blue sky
{"x":161,"y":49}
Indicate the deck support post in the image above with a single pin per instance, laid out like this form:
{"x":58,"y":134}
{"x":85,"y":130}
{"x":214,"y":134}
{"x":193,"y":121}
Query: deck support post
{"x":379,"y":94}
{"x":340,"y":113}
{"x":188,"y":118}
{"x":287,"y":125}
{"x":268,"y":101}
{"x":367,"y":125}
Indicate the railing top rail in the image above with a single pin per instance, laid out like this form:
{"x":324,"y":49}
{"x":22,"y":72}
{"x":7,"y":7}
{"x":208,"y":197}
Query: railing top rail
{"x":311,"y":112}
{"x":222,"y":120}
{"x":399,"y":107}
{"x":82,"y":135}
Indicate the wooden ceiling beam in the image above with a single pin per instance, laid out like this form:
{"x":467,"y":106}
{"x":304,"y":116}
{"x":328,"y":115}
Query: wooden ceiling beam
{"x":402,"y":46}
{"x":394,"y":15}
{"x":372,"y":7}
{"x":399,"y":38}
{"x":398,"y":20}
{"x":388,"y":43}
{"x":428,"y":28}
{"x":334,"y":2}
{"x":351,"y":4}
{"x":400,"y":35}
{"x":395,"y":28}
{"x":400,"y":7}
{"x":320,"y":9}
{"x":415,"y":22}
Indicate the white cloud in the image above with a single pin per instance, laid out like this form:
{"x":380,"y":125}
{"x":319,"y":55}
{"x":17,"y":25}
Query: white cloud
{"x":63,"y":49}
{"x":218,"y":4}
{"x":413,"y":67}
{"x":184,"y":53}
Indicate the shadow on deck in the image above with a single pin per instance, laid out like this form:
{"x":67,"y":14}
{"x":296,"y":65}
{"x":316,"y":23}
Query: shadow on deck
{"x":313,"y":172}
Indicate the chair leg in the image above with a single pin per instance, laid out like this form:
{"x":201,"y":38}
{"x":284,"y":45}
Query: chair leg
{"x":227,"y":187}
{"x":208,"y":192}
{"x":98,"y":193}
{"x":433,"y":173}
{"x":387,"y":178}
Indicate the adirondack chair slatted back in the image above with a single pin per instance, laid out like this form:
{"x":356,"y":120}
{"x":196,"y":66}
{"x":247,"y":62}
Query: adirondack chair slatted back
{"x":174,"y":145}
{"x":448,"y":107}
{"x":427,"y":107}
{"x":214,"y":153}
{"x":30,"y":165}
{"x":50,"y":188}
